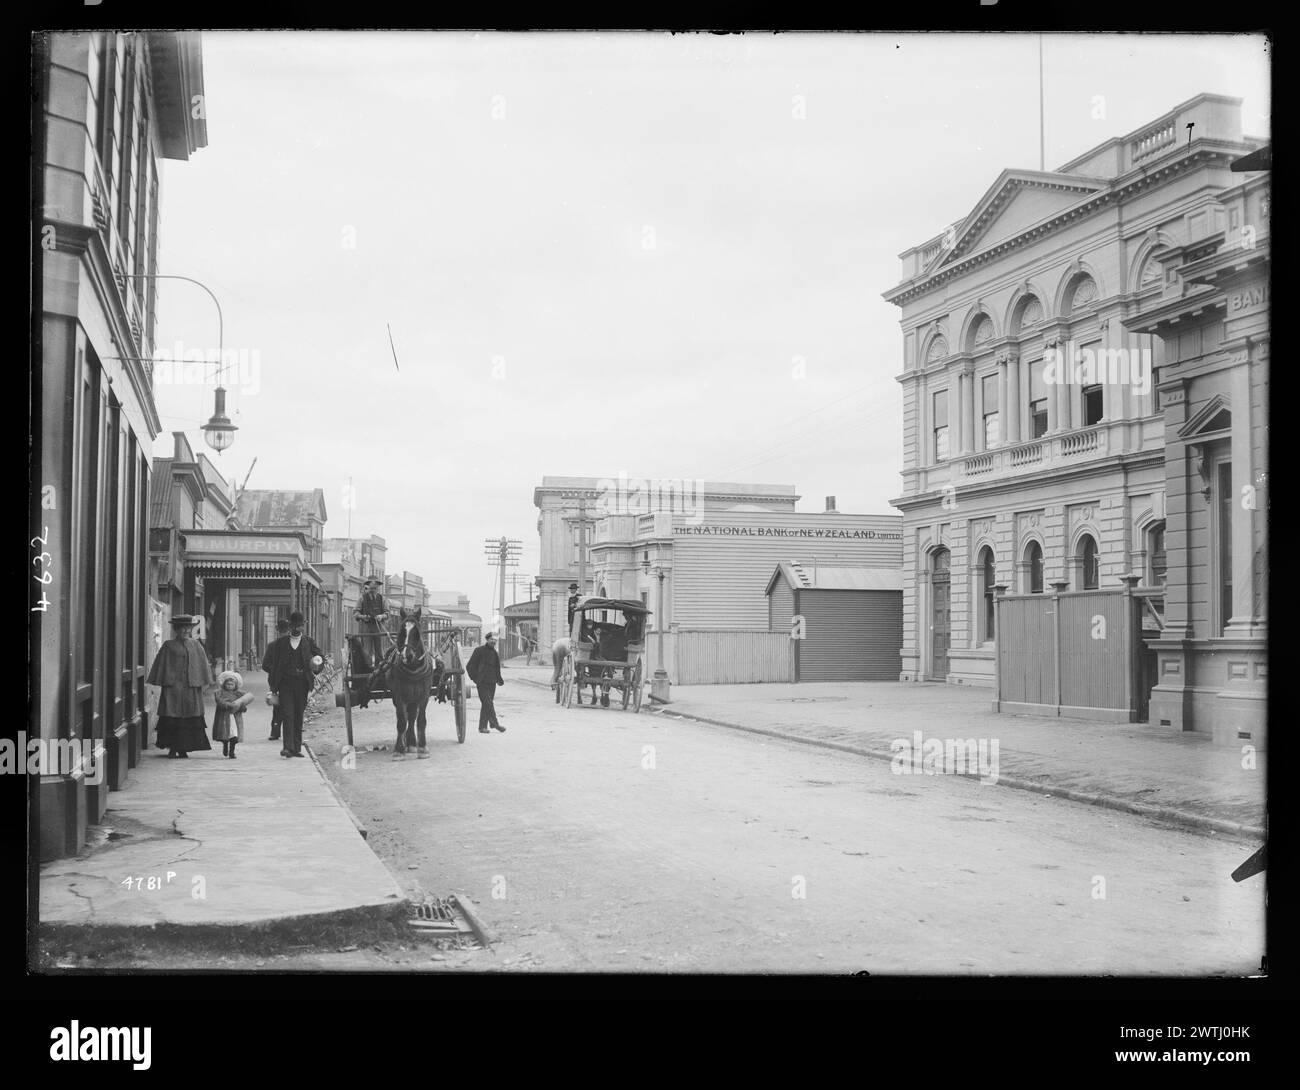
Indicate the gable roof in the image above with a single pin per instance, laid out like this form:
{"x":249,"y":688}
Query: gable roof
{"x":160,"y":493}
{"x":835,"y":577}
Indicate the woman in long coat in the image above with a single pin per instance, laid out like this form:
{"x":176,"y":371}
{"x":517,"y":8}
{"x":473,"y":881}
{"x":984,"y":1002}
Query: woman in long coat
{"x":181,"y":670}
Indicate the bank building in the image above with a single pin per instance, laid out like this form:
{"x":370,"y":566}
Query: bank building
{"x":1126,"y":485}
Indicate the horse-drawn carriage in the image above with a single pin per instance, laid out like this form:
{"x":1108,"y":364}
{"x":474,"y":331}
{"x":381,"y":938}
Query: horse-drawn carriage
{"x":421,"y":661}
{"x":606,"y":645}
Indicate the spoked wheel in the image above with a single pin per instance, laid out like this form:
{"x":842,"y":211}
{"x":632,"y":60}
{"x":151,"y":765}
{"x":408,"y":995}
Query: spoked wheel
{"x":347,"y":706}
{"x":568,"y":684}
{"x":458,"y":705}
{"x":636,"y":688}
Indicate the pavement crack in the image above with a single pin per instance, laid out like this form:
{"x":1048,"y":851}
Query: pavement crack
{"x":90,"y":901}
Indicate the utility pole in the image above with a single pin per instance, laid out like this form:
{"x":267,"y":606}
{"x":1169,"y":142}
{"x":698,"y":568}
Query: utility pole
{"x":582,"y":544}
{"x":502,"y":553}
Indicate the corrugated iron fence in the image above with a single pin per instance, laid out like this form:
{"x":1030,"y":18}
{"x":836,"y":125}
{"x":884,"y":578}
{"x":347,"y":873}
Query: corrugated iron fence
{"x":1071,"y":653}
{"x":715,"y":656}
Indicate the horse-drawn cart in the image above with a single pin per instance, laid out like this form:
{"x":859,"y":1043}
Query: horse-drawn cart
{"x":425,"y":652}
{"x":606,"y":647}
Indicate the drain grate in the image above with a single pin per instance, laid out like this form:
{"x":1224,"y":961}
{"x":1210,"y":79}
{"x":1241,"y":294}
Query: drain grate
{"x":443,"y":917}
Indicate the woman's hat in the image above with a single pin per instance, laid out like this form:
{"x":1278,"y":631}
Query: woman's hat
{"x":221,"y":678}
{"x":183,"y":620}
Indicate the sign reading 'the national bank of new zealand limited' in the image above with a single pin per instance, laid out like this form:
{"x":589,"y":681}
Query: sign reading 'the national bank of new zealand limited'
{"x":790,"y":531}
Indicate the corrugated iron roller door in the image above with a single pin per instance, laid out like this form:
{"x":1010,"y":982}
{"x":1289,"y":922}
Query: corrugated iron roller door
{"x":851,"y":635}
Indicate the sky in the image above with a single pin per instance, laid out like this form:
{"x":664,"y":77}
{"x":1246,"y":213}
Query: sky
{"x":597,"y":253}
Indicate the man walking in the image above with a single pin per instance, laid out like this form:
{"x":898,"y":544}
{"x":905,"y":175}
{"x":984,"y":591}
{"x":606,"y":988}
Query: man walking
{"x":292,"y":662}
{"x":277,"y":712}
{"x":484,"y":669}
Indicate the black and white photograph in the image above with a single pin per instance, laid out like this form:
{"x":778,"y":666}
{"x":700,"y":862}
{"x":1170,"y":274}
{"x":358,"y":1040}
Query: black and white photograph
{"x":649,"y":504}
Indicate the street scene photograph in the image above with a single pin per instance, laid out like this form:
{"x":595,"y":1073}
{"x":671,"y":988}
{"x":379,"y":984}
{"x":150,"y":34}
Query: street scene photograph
{"x":656,"y":504}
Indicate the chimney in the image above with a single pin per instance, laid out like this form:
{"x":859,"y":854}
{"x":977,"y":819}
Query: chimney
{"x":830,"y":506}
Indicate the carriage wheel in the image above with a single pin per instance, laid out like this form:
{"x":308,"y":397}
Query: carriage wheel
{"x":347,"y":707}
{"x":627,"y":686}
{"x":636,"y":688}
{"x":458,"y":706}
{"x":569,"y":682}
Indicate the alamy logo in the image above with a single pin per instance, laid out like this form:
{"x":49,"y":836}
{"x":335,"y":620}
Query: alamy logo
{"x":642,"y":496}
{"x":76,"y":1042}
{"x":945,"y":757}
{"x":1075,"y":366}
{"x":51,"y":757}
{"x":240,"y":368}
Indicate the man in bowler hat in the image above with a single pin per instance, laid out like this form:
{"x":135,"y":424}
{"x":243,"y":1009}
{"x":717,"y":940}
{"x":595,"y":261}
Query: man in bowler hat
{"x":293,"y":661}
{"x":484,"y":669}
{"x":277,"y":712}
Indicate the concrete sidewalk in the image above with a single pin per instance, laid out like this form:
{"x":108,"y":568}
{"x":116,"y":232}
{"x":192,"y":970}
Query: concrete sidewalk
{"x":253,"y":841}
{"x":1182,"y":778}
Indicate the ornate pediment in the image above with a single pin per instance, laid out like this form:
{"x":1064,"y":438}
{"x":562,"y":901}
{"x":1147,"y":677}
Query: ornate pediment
{"x":1016,"y":201}
{"x":1214,"y":416}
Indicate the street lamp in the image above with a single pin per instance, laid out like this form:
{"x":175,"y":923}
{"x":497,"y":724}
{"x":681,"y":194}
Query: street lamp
{"x":219,"y":432}
{"x":659,"y":688}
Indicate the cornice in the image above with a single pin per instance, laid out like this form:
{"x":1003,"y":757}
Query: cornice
{"x":1009,"y":485}
{"x":88,"y":244}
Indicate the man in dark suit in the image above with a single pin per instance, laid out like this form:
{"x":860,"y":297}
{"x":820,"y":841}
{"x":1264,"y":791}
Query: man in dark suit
{"x":574,"y":598}
{"x":292,"y":663}
{"x":277,"y":712}
{"x":484,"y":669}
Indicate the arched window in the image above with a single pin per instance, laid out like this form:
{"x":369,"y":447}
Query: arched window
{"x":988,"y":578}
{"x":1033,"y":568}
{"x":1028,"y":313}
{"x":1083,"y":293}
{"x":1156,"y":562}
{"x":938,"y":350}
{"x":1089,"y":563}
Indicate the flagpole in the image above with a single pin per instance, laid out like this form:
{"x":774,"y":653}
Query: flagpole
{"x":1042,"y":164}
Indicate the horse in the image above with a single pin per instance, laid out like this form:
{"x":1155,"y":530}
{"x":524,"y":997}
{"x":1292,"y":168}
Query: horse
{"x":411,"y":673}
{"x":560,"y":651}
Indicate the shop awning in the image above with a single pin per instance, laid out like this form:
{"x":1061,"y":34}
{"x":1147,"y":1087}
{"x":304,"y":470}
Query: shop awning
{"x":241,"y":569}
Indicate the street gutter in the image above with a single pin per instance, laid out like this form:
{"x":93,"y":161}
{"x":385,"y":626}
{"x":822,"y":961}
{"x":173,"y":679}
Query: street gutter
{"x":1183,"y":818}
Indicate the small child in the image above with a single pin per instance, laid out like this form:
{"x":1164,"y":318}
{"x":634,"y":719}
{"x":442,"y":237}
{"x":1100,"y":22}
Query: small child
{"x":228,"y":720}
